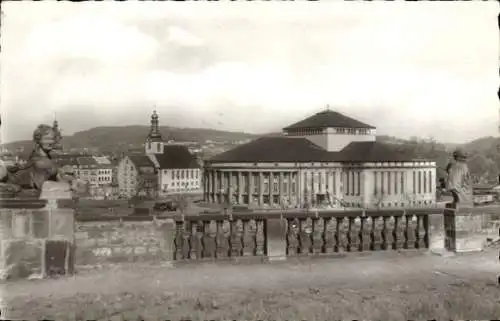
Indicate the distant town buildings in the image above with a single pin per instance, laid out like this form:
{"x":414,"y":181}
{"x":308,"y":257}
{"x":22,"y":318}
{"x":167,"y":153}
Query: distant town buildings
{"x":328,"y":160}
{"x":172,"y":167}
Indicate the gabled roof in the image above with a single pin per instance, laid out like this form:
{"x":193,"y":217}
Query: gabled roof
{"x":176,"y":156}
{"x":328,"y":118}
{"x":374,"y":152}
{"x":274,"y":149}
{"x":141,"y":161}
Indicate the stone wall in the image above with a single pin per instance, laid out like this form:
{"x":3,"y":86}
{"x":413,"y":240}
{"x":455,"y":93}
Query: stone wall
{"x":468,"y":228}
{"x":125,"y":239}
{"x":36,"y":239}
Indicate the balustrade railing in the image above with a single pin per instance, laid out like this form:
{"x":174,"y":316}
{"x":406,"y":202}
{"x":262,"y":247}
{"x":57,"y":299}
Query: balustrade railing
{"x":222,"y":236}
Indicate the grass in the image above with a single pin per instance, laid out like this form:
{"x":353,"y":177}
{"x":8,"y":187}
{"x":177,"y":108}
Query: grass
{"x":327,"y":290}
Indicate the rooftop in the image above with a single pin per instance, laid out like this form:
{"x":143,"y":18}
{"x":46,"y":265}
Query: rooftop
{"x":176,"y":156}
{"x":141,"y":161}
{"x":326,"y":119}
{"x":291,"y":150}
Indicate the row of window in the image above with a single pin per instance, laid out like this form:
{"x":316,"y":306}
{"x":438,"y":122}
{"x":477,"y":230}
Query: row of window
{"x":184,"y":173}
{"x":350,"y":131}
{"x":180,"y":184}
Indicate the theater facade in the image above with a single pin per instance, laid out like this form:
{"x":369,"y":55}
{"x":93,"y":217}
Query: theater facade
{"x":326,"y":160}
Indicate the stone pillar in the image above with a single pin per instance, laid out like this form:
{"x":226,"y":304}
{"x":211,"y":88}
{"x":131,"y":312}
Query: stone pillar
{"x":38,"y":234}
{"x":463,"y":228}
{"x":240,"y":188}
{"x":261,"y":189}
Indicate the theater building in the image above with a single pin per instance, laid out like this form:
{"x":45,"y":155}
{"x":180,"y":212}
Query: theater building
{"x":326,"y":160}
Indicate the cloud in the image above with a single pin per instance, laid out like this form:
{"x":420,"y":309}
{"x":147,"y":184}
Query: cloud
{"x":183,"y":37}
{"x":252,"y":67}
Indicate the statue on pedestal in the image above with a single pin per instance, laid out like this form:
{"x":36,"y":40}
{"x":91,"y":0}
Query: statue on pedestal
{"x":459,"y":179}
{"x":27,"y":179}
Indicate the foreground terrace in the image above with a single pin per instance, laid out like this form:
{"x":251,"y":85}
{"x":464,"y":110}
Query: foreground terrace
{"x":376,"y":286}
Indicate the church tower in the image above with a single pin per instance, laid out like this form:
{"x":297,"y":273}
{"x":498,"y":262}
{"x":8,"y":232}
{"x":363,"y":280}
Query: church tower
{"x":154,"y":141}
{"x":58,"y":135}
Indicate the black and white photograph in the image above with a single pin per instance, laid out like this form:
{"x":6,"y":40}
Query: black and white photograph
{"x":249,"y":160}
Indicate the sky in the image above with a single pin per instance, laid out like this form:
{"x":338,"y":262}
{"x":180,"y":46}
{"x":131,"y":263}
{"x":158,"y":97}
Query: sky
{"x":426,"y":69}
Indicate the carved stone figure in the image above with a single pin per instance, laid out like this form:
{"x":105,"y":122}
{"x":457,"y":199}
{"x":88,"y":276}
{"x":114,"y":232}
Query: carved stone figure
{"x":459,"y":180}
{"x":39,"y":167}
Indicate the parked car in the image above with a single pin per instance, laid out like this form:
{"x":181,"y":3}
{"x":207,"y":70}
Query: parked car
{"x":169,"y":206}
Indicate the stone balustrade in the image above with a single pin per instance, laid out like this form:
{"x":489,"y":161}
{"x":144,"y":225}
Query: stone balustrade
{"x":218,"y":236}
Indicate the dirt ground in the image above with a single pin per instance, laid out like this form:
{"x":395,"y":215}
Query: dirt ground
{"x":376,"y":287}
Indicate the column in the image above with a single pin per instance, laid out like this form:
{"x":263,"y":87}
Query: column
{"x":229,"y":188}
{"x":270,"y":180}
{"x":240,"y":188}
{"x":261,"y":189}
{"x":280,"y":190}
{"x":212,"y":189}
{"x":312,"y":196}
{"x":250,"y":188}
{"x":220,"y":190}
{"x":206,"y":189}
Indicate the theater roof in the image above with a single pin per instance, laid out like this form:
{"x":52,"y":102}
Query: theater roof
{"x":292,"y":150}
{"x":328,"y":118}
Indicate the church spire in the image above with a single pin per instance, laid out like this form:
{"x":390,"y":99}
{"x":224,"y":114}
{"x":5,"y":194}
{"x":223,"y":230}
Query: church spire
{"x":154,"y":132}
{"x":58,"y":135}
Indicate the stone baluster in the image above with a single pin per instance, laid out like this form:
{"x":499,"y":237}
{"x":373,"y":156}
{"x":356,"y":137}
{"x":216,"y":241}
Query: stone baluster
{"x":209,"y":235}
{"x":222,"y":243}
{"x":342,"y":233}
{"x":249,"y":231}
{"x":306,"y":227}
{"x":179,"y":240}
{"x":292,"y":241}
{"x":387,"y":233}
{"x":237,"y":238}
{"x":193,"y":241}
{"x":398,"y":232}
{"x":260,"y":238}
{"x":318,"y":235}
{"x":376,"y":233}
{"x":365,"y":234}
{"x":422,"y":230}
{"x":353,"y":236}
{"x":186,"y":240}
{"x":410,"y":232}
{"x":330,"y":235}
